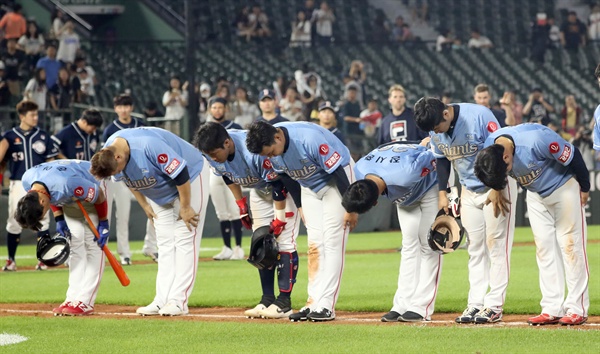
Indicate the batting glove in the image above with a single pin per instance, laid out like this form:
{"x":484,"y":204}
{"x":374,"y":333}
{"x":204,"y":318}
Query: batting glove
{"x":244,"y":214}
{"x":276,"y":227}
{"x":61,"y":227}
{"x":454,"y":202}
{"x":104,"y":232}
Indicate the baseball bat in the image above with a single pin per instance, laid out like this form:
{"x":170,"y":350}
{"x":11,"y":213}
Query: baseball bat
{"x":119,"y":271}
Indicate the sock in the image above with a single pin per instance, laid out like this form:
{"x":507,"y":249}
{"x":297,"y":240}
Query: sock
{"x":226,"y":232}
{"x":12,"y":241}
{"x":237,"y":231}
{"x":267,"y":279}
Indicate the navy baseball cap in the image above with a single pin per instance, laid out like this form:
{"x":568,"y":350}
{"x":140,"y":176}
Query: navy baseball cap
{"x":327,"y":105}
{"x":266,"y":93}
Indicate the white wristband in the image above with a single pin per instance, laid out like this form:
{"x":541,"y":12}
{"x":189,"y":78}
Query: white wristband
{"x":280,"y":214}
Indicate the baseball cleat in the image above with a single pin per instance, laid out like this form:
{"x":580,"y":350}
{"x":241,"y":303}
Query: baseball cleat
{"x":171,"y":309}
{"x":255,"y":312}
{"x":543,"y":319}
{"x":150,"y":310}
{"x":238,"y":254}
{"x":467,"y":315}
{"x":57,"y":311}
{"x":300,"y":315}
{"x":391,"y":316}
{"x":126,"y":261}
{"x":571,"y":319}
{"x":320,"y":315}
{"x":78,"y":309}
{"x":281,"y":308}
{"x":225,"y":254}
{"x":410,"y":316}
{"x":487,"y":315}
{"x":153,"y":255}
{"x":41,"y":266}
{"x":10,"y":266}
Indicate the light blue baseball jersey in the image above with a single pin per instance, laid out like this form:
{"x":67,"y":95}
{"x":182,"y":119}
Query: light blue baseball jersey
{"x":597,"y":128}
{"x":66,"y":180}
{"x":312,"y":154}
{"x":540,"y":158}
{"x":474,"y":124}
{"x":408,"y":171}
{"x":156,"y":158}
{"x":246,"y":169}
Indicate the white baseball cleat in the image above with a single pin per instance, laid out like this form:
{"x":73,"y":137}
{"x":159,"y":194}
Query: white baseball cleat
{"x":171,"y":309}
{"x":150,"y":310}
{"x":275,"y":311}
{"x":238,"y":253}
{"x":255,"y":312}
{"x":225,"y":254}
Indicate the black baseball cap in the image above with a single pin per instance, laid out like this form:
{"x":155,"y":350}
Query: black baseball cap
{"x":266,"y":93}
{"x":327,"y":105}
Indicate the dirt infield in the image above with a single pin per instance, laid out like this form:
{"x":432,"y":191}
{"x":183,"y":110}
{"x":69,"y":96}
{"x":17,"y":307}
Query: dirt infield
{"x":221,"y":314}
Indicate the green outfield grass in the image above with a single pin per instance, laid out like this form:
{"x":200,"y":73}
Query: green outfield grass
{"x":369,"y":283}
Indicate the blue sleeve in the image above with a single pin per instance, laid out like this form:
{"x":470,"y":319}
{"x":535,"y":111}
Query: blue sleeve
{"x":487,"y":124}
{"x":324,"y":155}
{"x":597,"y":129}
{"x":165,"y":159}
{"x":553,"y":146}
{"x":83,"y":189}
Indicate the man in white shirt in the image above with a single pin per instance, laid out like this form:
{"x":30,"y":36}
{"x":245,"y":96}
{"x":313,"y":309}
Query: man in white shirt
{"x":478,"y":41}
{"x":324,"y":19}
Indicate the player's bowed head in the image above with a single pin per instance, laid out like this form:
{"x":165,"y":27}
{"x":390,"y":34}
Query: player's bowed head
{"x":265,"y":139}
{"x":213,"y":140}
{"x":30,"y":210}
{"x":109,"y":161}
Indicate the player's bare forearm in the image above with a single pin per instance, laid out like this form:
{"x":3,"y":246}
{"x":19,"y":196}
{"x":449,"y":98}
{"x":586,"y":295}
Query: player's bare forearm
{"x":279,"y":204}
{"x":60,"y":156}
{"x":141,"y":199}
{"x":584,"y":198}
{"x":236,"y":189}
{"x":443,"y":201}
{"x":3,"y":149}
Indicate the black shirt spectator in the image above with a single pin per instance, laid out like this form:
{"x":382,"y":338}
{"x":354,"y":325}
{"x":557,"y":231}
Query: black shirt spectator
{"x":13,"y":59}
{"x":351,"y":114}
{"x":572,"y":32}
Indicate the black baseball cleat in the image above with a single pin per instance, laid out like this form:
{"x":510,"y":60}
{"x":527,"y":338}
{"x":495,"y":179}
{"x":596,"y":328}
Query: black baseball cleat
{"x":391,"y":316}
{"x":300,"y":315}
{"x":322,"y":314}
{"x":468,"y":315}
{"x":410,"y":316}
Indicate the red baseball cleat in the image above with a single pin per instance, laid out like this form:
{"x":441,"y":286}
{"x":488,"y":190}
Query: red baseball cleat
{"x":543,"y":319}
{"x":58,"y":310}
{"x":78,"y":309}
{"x":571,"y":319}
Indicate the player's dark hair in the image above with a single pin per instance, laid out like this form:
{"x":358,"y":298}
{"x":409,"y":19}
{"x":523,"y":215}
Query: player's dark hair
{"x":429,"y":112}
{"x":209,"y":137}
{"x":93,"y":117}
{"x":29,"y":211}
{"x":26,"y":106}
{"x":123,"y":100}
{"x":490,"y":167}
{"x":104,"y":163}
{"x":361,"y":196}
{"x":261,"y":134}
{"x":597,"y":72}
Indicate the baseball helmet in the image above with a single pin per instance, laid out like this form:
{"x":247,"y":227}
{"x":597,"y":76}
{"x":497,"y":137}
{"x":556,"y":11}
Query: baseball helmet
{"x":446,"y":233}
{"x":264,"y":249}
{"x":53,"y":251}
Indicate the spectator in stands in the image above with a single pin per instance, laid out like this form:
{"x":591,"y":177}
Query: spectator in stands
{"x":399,"y":124}
{"x":268,"y":104}
{"x":14,"y":60}
{"x":32,"y":43}
{"x":350,"y":113}
{"x":309,"y":88}
{"x":554,"y":33}
{"x":291,"y":106}
{"x":358,"y":76}
{"x":381,"y":28}
{"x":540,"y":38}
{"x":204,"y":95}
{"x":418,"y":10}
{"x":370,"y":118}
{"x":88,"y":92}
{"x":510,"y":99}
{"x":63,"y":93}
{"x":4,"y":91}
{"x":444,"y":41}
{"x":37,"y":90}
{"x":308,"y":9}
{"x":505,"y":116}
{"x":402,"y":32}
{"x":259,"y":23}
{"x":555,"y":126}
{"x":594,"y":25}
{"x":76,"y":82}
{"x":151,"y":110}
{"x":242,"y":24}
{"x":572,"y":33}
{"x":175,"y":100}
{"x":243,"y":110}
{"x":57,"y":21}
{"x":13,"y":24}
{"x":81,"y":63}
{"x":280,"y":86}
{"x":301,"y":28}
{"x":537,"y":110}
{"x":68,"y":43}
{"x":328,"y":120}
{"x":570,"y":115}
{"x":50,"y":64}
{"x":478,"y":41}
{"x":324,"y":19}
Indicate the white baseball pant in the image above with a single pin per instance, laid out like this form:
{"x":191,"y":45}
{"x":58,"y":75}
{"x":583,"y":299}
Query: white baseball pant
{"x":150,"y":239}
{"x":122,"y":198}
{"x":86,"y":260}
{"x":490,"y":245}
{"x":262,"y":208}
{"x":327,"y":238}
{"x":15,"y":193}
{"x":560,"y":233}
{"x":420,"y":266}
{"x":223,"y":200}
{"x":178,"y":247}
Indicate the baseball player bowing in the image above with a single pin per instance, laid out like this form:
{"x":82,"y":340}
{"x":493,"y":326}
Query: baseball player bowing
{"x":557,"y":181}
{"x":458,"y":132}
{"x":24,"y":146}
{"x":405,"y":174}
{"x":169,"y":179}
{"x":269,"y":205}
{"x":57,"y":185}
{"x":317,"y":159}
